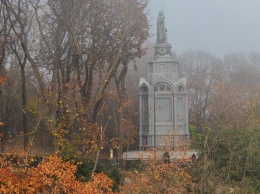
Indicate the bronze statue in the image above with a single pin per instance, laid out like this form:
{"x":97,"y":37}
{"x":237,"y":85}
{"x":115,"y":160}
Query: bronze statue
{"x":161,"y":30}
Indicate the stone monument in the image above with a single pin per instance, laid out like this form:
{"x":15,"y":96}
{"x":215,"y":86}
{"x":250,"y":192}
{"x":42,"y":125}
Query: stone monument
{"x":163,"y":102}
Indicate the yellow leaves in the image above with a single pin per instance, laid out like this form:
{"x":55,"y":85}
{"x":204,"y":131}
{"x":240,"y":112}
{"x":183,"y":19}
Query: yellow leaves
{"x":2,"y":124}
{"x":156,"y":177}
{"x":33,"y":106}
{"x":59,"y":133}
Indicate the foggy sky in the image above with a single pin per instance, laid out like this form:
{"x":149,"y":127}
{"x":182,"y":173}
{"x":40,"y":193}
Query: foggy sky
{"x":216,"y":26}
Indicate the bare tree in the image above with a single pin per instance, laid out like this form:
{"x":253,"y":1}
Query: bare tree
{"x":83,"y":45}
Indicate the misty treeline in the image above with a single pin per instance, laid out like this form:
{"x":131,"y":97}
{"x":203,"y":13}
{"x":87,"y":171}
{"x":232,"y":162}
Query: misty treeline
{"x":65,"y":64}
{"x":69,"y":83}
{"x":224,"y":118}
{"x":224,"y":96}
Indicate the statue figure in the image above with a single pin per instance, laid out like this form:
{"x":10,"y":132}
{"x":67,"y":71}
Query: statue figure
{"x":161,"y":30}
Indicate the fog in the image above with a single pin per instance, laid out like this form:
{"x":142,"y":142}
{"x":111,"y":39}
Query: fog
{"x":216,"y":26}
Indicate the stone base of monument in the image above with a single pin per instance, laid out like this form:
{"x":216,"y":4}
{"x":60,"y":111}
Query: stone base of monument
{"x":150,"y":155}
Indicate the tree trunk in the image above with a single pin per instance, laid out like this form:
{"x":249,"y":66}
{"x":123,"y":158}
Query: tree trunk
{"x":121,"y":91}
{"x":24,"y":103}
{"x":120,"y":130}
{"x":22,"y":64}
{"x":204,"y":186}
{"x":246,"y":162}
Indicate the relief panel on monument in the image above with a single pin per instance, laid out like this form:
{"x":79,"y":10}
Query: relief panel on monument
{"x":162,"y":87}
{"x":180,"y":109}
{"x":163,"y":109}
{"x":164,"y":140}
{"x":162,"y":68}
{"x":150,"y":68}
{"x":171,"y":68}
{"x":144,"y":105}
{"x":164,"y":129}
{"x":145,"y":110}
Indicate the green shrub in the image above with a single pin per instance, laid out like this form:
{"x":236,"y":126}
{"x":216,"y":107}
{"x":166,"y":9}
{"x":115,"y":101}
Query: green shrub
{"x":84,"y":170}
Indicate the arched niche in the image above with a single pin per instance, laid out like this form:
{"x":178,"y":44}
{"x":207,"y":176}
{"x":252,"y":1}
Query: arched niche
{"x":180,"y":89}
{"x":144,"y":104}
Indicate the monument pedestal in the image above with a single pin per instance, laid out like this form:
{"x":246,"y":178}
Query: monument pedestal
{"x":163,"y":102}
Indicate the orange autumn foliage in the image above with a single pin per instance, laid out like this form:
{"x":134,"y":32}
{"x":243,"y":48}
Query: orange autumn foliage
{"x":2,"y":80}
{"x":171,"y":177}
{"x":50,"y":176}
